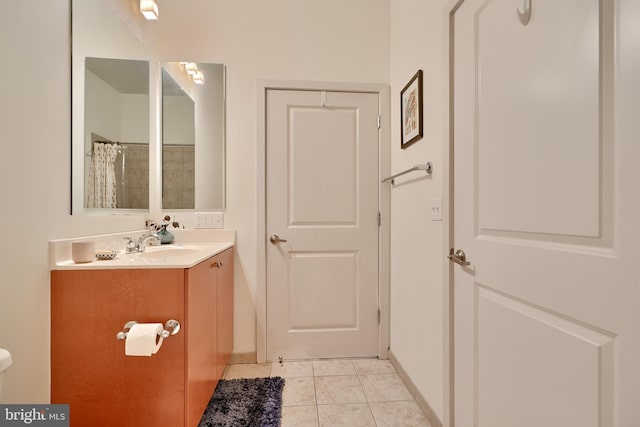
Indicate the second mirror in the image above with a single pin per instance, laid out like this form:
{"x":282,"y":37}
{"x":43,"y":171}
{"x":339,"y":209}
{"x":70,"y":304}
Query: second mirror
{"x":193,"y":136}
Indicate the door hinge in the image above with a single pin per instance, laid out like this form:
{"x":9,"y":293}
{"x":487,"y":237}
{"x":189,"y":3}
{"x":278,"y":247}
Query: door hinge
{"x":378,"y":316}
{"x":379,"y":219}
{"x":379,"y":120}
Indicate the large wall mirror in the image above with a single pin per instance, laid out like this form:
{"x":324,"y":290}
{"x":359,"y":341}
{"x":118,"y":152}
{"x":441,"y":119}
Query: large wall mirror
{"x":110,"y":112}
{"x":113,"y":124}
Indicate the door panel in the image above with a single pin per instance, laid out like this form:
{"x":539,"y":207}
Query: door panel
{"x":322,"y":283}
{"x":522,"y":349}
{"x":322,"y":179}
{"x":545,"y":314}
{"x":538,"y":93}
{"x":322,"y":198}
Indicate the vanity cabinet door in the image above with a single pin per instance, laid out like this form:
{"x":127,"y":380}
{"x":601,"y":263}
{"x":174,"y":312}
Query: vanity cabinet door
{"x":200,"y":330}
{"x":89,"y":370}
{"x":224,"y":309}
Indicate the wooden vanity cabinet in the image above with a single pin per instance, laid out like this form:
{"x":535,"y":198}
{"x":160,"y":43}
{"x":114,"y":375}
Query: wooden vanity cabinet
{"x":224,"y":310}
{"x":89,"y":370}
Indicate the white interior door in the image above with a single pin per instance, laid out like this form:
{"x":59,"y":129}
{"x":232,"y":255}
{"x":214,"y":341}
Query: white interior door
{"x":322,"y":202}
{"x":546,"y":209}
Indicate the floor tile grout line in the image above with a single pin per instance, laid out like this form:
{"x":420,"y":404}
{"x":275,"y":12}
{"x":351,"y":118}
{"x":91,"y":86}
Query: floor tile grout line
{"x":369,"y":402}
{"x":373,"y":417}
{"x":315,"y":396}
{"x":313,"y":371}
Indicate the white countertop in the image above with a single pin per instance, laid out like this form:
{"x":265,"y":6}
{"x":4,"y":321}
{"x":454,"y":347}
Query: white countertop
{"x":190,"y":248}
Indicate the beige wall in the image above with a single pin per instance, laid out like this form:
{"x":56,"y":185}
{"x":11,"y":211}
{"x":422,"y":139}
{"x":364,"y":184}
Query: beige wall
{"x":418,"y":42}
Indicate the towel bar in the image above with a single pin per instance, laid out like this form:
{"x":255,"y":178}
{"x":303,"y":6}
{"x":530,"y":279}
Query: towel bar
{"x":427,"y":167}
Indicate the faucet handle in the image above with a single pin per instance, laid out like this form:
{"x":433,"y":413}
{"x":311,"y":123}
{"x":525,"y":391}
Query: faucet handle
{"x":155,"y":239}
{"x":131,"y":245}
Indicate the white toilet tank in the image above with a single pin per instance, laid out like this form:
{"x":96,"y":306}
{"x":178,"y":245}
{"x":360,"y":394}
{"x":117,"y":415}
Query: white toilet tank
{"x":5,"y":362}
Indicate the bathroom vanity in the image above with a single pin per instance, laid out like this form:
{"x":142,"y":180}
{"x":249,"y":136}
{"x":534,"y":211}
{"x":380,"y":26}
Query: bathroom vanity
{"x":90,"y":304}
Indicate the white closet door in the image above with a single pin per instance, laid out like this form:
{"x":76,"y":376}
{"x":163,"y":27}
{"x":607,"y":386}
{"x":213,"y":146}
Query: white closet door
{"x":546,"y":209}
{"x":322,"y":201}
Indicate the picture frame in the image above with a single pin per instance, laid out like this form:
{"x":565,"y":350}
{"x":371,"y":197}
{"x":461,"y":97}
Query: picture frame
{"x":411,"y":111}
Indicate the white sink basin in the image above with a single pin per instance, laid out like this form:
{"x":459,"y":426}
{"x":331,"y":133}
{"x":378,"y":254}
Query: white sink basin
{"x":169,"y":252}
{"x":190,"y":248}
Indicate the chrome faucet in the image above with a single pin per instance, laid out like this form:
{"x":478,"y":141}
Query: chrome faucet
{"x":141,"y":244}
{"x":142,"y":240}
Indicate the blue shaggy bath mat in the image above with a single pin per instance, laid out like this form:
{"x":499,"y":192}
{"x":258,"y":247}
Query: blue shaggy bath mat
{"x":250,"y":402}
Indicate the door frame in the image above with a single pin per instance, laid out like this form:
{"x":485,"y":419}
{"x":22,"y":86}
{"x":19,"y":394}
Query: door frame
{"x":450,"y":9}
{"x":384,"y":202}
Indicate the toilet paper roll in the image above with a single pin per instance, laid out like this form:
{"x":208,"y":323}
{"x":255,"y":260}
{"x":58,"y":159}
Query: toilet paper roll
{"x":143,"y":339}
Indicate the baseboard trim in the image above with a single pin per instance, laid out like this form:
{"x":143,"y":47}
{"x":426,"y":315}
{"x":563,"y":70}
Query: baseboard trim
{"x":243,"y":358}
{"x":419,"y":398}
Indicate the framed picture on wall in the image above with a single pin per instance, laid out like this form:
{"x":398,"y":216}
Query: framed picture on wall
{"x":411,"y":111}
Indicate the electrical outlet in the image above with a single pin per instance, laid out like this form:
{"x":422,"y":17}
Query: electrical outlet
{"x":217,"y":220}
{"x":436,"y":209}
{"x":209,"y":220}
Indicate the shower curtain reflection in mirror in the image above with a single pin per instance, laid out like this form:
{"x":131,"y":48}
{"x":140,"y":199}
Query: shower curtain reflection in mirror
{"x":102,"y":192}
{"x":118,"y":175}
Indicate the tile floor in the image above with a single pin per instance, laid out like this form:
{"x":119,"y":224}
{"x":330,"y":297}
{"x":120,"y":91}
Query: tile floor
{"x":334,"y":393}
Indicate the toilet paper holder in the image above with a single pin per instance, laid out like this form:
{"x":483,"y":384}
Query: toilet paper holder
{"x":171,"y":327}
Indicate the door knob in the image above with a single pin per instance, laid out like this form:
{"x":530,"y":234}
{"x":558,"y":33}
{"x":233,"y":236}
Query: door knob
{"x":276,"y":239}
{"x":459,"y":257}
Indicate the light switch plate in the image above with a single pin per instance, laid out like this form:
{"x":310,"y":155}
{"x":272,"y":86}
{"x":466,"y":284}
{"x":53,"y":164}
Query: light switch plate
{"x":436,"y":209}
{"x":209,"y":220}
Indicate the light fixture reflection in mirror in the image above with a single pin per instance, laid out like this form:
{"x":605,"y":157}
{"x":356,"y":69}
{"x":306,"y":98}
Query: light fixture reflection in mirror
{"x":116,"y":128}
{"x":193,"y":136}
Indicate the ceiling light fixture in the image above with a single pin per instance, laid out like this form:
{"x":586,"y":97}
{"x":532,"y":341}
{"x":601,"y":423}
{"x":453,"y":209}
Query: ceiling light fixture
{"x":149,"y":9}
{"x":198,"y":78}
{"x":191,"y":68}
